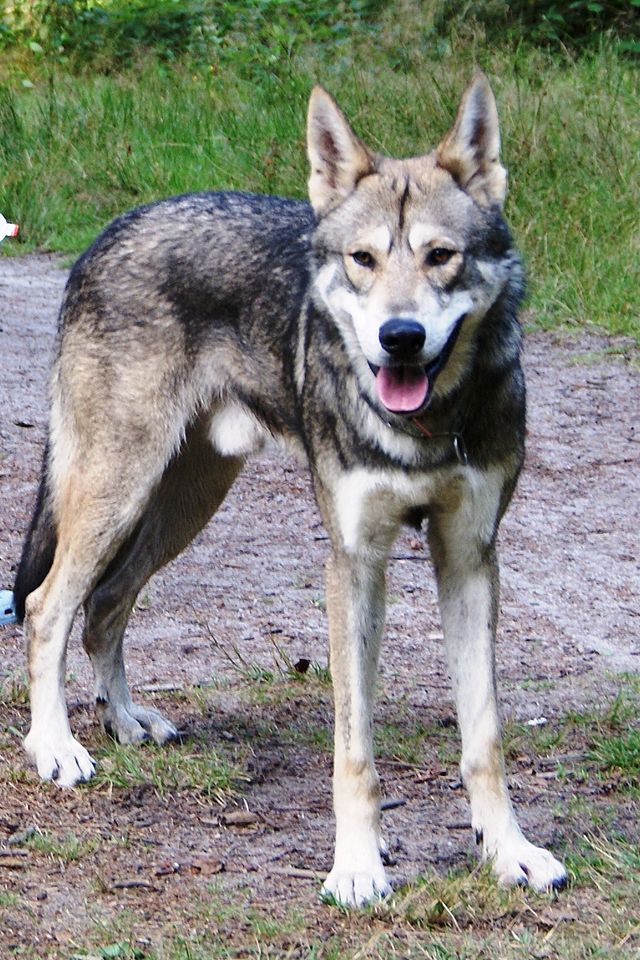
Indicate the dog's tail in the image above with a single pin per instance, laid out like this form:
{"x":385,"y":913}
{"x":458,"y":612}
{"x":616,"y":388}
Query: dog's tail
{"x":39,"y":546}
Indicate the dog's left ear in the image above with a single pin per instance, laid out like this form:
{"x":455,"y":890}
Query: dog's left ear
{"x":338,"y":158}
{"x":471,"y":149}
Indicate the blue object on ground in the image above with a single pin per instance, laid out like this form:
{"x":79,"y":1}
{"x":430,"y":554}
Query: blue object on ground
{"x":7,"y":609}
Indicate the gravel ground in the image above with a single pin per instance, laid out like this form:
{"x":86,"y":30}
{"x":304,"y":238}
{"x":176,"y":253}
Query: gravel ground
{"x":569,"y":628}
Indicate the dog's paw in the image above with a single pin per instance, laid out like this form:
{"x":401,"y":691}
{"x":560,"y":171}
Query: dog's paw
{"x":527,"y":865}
{"x":134,"y":724}
{"x":160,"y":729}
{"x":64,"y":760}
{"x":355,"y":889}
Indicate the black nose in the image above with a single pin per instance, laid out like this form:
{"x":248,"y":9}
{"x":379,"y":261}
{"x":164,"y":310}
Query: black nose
{"x":402,"y":338}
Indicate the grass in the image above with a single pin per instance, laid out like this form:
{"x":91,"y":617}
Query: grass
{"x":203,"y":771}
{"x":14,"y":689}
{"x":462,"y":916}
{"x":457,"y":915}
{"x":66,"y":849}
{"x":603,"y":744}
{"x":283,"y":667}
{"x":621,"y":752}
{"x":96,"y":144}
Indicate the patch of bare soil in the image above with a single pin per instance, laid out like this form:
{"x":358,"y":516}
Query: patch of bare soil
{"x":569,"y":627}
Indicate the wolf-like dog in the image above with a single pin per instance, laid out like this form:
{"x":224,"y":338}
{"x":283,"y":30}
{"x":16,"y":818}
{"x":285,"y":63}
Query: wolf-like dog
{"x":374,"y":330}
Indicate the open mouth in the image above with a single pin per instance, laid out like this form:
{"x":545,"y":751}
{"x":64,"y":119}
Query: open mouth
{"x":406,"y":388}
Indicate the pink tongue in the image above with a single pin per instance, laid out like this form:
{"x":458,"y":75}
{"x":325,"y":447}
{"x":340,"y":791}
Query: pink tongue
{"x":402,"y":389}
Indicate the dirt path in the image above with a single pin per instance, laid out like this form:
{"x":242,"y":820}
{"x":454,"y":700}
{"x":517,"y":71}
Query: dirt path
{"x":570,"y":617}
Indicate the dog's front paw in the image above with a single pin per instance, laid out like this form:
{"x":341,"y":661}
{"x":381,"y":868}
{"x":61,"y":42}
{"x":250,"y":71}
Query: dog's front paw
{"x":525,"y":864}
{"x":356,"y":889}
{"x":64,"y":759}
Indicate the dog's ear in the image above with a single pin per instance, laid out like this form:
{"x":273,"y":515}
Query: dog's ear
{"x":471,"y":149}
{"x":337,"y":157}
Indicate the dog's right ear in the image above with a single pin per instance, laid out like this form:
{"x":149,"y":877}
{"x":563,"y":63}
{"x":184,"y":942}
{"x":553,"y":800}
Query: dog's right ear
{"x":338,"y":158}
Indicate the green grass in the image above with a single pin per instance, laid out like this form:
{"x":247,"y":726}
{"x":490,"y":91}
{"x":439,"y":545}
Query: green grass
{"x":201,"y":770}
{"x":14,"y":689}
{"x":457,"y":915}
{"x":76,"y":149}
{"x":282,"y":668}
{"x":461,"y":916}
{"x":619,"y":755}
{"x":66,"y":849}
{"x":604,"y":743}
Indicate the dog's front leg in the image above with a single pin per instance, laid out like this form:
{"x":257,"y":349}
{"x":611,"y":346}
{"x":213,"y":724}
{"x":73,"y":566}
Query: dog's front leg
{"x":468,"y":586}
{"x":355,"y":604}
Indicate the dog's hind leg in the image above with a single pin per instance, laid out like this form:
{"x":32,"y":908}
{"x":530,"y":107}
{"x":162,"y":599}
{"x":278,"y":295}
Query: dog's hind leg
{"x":95,"y":512}
{"x":463,"y":549}
{"x":191,"y":490}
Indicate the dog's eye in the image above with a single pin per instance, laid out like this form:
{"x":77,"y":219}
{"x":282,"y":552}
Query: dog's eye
{"x":439,"y":256}
{"x":363,"y":258}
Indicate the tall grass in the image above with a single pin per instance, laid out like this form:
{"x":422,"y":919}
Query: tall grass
{"x":77,"y":149}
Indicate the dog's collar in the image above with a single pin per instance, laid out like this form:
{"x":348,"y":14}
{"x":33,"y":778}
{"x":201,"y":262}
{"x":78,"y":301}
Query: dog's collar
{"x":418,"y":430}
{"x":457,"y":440}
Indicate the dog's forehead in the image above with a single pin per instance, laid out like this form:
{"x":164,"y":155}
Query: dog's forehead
{"x":405,"y":204}
{"x":420,"y":199}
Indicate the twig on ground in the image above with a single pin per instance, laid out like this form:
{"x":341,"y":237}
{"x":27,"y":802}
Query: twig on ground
{"x":297,"y":873}
{"x":133,"y":884}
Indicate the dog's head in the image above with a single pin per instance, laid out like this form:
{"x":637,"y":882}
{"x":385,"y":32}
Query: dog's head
{"x":410,"y":254}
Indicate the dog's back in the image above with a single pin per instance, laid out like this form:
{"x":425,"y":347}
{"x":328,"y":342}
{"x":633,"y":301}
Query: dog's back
{"x":173,"y":279}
